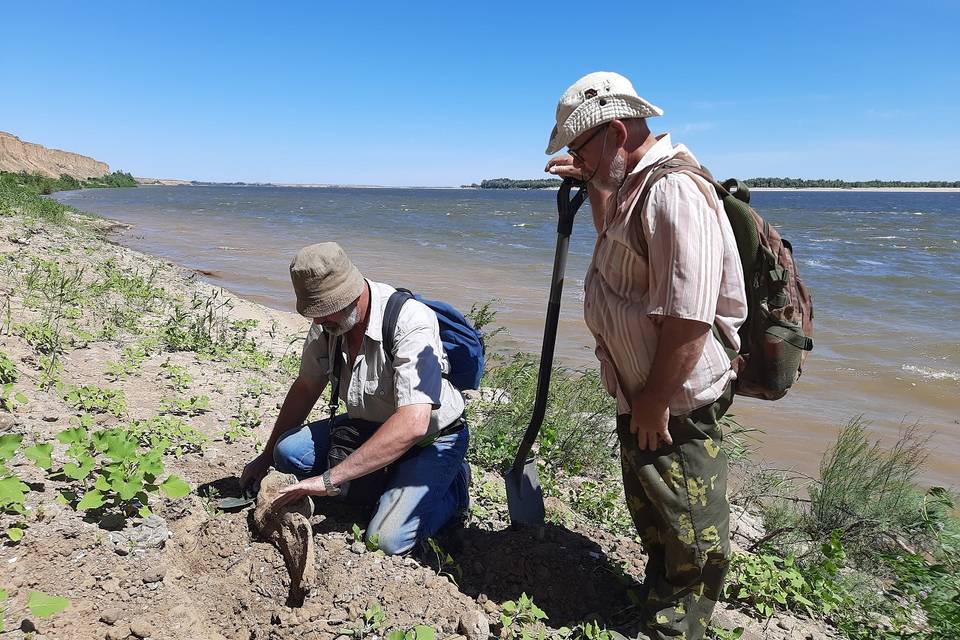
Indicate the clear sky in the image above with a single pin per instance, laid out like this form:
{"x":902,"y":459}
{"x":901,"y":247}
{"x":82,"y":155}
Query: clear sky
{"x":450,"y":93}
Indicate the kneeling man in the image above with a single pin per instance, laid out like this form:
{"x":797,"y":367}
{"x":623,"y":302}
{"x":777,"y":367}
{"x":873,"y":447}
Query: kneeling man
{"x":403,"y":440}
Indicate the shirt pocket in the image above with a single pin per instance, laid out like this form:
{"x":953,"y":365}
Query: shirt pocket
{"x":381,"y":389}
{"x":623,"y":270}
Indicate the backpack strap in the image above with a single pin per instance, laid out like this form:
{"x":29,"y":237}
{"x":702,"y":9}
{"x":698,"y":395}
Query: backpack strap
{"x":335,"y":375}
{"x":391,"y":314}
{"x":662,"y":170}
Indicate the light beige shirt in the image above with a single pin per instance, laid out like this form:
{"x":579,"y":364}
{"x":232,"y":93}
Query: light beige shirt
{"x":375,"y":387}
{"x":691,"y":270}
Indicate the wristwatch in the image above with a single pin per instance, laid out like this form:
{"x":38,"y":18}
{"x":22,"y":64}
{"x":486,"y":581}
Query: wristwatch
{"x":332,"y":489}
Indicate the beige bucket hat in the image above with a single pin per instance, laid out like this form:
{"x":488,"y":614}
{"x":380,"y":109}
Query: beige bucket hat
{"x":325,"y":280}
{"x":596,"y":98}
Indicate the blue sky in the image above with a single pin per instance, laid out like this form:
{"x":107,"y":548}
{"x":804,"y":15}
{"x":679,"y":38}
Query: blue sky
{"x":449,"y":93}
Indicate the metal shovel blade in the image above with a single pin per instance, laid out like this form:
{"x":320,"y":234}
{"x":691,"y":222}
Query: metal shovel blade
{"x":524,"y":495}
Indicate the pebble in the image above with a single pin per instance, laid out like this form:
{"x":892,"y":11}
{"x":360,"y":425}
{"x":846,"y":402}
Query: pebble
{"x":118,"y":633}
{"x":154,"y":574}
{"x":50,"y":417}
{"x":110,"y":616}
{"x":358,"y":547}
{"x":490,"y":607}
{"x":141,"y":629}
{"x":474,"y":625}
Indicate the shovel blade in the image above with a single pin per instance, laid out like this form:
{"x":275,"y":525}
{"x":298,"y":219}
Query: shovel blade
{"x":524,"y":495}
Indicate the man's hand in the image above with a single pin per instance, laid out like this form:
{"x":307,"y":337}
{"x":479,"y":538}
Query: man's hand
{"x":649,"y":419}
{"x":255,"y":470}
{"x":563,"y":167}
{"x":313,"y":486}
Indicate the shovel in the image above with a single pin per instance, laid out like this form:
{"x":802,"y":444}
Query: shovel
{"x":524,"y":495}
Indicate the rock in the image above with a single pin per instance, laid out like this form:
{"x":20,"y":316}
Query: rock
{"x":786,"y":623}
{"x":358,"y":547}
{"x":152,"y":533}
{"x":50,"y":417}
{"x":7,"y":422}
{"x":118,"y":633}
{"x":141,"y":629}
{"x":110,"y":616}
{"x":154,"y":574}
{"x":490,"y":607}
{"x":745,"y":527}
{"x":487,"y":395}
{"x":474,"y":625}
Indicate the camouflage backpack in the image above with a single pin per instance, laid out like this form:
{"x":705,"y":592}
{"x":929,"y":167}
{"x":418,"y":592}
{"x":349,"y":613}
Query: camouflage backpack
{"x":778,"y":331}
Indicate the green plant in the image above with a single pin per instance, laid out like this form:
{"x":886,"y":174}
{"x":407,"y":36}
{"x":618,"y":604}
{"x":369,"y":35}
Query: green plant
{"x":369,"y":623}
{"x":866,"y":491}
{"x":482,"y":316}
{"x":719,"y":633}
{"x":521,"y":618}
{"x":209,"y":499}
{"x":9,"y":398}
{"x":585,"y":631}
{"x":8,"y":370}
{"x":39,"y":604}
{"x":110,"y":471}
{"x":766,"y":582}
{"x":192,"y":406}
{"x":446,"y":565}
{"x":177,"y":376}
{"x":242,"y":425}
{"x":129,"y":364}
{"x":419,"y":632}
{"x":13,"y":491}
{"x":602,"y":503}
{"x":42,"y":336}
{"x":372,"y":545}
{"x":577,"y":434}
{"x":181,"y":438}
{"x":96,"y":399}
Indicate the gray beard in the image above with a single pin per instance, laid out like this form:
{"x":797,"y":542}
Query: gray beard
{"x":348,"y":323}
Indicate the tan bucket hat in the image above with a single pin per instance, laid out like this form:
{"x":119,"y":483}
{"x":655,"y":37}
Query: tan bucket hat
{"x":596,"y":98}
{"x":325,"y":280}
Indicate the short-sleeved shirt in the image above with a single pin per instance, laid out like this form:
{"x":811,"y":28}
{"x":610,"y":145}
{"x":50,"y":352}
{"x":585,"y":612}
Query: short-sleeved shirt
{"x":691,"y":270}
{"x":376,"y":385}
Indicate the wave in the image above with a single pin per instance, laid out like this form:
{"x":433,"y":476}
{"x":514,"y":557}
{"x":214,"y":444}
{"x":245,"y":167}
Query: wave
{"x":932,"y":374}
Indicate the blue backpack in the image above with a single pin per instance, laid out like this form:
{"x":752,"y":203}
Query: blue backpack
{"x":463,"y":344}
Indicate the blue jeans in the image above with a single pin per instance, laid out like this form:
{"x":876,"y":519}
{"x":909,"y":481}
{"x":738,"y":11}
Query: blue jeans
{"x":424,"y":490}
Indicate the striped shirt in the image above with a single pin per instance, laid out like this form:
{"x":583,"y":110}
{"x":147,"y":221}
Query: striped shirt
{"x":691,"y":270}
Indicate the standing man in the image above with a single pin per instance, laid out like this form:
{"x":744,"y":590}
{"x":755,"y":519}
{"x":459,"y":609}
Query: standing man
{"x":665,"y":270}
{"x":402,"y":413}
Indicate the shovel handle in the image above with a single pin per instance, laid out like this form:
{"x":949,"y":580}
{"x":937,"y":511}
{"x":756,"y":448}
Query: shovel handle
{"x":567,"y":208}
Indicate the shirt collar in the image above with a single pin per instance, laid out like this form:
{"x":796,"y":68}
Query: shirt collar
{"x":661,"y":149}
{"x":378,"y":300}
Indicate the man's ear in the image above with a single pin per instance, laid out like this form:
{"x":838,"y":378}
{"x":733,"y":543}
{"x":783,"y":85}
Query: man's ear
{"x":620,"y":133}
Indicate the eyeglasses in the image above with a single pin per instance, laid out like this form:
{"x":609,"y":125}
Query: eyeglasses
{"x":575,"y":152}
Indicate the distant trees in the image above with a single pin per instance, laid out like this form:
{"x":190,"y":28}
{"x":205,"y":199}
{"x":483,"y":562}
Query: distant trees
{"x":507,"y":183}
{"x":800,"y":183}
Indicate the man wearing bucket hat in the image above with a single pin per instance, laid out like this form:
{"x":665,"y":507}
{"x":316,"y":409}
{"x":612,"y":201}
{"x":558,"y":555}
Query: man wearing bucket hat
{"x":403,"y":441}
{"x":665,"y":270}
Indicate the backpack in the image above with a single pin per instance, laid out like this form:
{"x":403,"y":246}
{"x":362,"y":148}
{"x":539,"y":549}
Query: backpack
{"x":462,"y":343}
{"x":777,"y":334}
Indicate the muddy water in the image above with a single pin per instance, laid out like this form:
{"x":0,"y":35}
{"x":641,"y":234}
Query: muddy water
{"x":883,"y":268}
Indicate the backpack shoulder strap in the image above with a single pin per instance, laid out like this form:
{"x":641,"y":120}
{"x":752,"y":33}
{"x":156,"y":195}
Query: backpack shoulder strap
{"x":662,"y":170}
{"x":390,"y":316}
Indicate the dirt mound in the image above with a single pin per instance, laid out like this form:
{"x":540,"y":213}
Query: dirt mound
{"x":17,"y":155}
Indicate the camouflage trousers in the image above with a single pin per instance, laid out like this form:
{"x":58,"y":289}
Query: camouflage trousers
{"x":677,"y":498}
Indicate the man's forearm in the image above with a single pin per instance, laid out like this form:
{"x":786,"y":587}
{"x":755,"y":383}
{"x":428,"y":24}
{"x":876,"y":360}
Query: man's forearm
{"x":396,"y":436}
{"x":295,"y":408}
{"x":678,"y":350}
